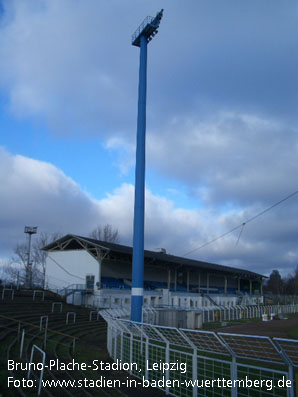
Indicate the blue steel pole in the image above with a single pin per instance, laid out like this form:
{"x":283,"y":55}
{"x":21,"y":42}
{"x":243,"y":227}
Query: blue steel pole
{"x":139,"y":207}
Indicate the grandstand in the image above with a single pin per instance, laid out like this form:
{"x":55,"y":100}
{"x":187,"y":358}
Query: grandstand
{"x":98,"y":273}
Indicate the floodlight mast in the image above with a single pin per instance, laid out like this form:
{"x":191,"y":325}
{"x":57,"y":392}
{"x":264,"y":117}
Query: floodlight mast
{"x":145,"y":32}
{"x":29,"y":230}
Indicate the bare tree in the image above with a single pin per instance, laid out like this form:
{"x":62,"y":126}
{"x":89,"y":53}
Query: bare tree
{"x":18,"y":269}
{"x":21,"y":254}
{"x":12,"y":273}
{"x":37,"y":266}
{"x":96,"y":233}
{"x":105,"y":234}
{"x":40,"y":256}
{"x":19,"y":258}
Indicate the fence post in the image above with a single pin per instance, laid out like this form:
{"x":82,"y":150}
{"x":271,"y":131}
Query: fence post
{"x":195,"y":370}
{"x":22,"y":343}
{"x":57,"y":303}
{"x":8,"y":289}
{"x":115,"y":333}
{"x":43,"y":365}
{"x":41,"y":321}
{"x":292,"y":378}
{"x":121,"y":344}
{"x":146,"y":357}
{"x":167,"y":361}
{"x":234,"y":376}
{"x":73,"y":346}
{"x":74,"y":317}
{"x":45,"y":338}
{"x":291,"y":389}
{"x":130,"y":352}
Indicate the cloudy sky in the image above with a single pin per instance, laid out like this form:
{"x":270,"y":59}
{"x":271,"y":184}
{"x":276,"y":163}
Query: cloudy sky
{"x":222,"y":124}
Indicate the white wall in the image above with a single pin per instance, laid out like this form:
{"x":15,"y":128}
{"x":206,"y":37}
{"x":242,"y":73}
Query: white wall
{"x":74,"y":267}
{"x":110,"y":298}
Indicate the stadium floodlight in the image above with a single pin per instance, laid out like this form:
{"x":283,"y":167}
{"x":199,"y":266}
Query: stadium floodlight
{"x":140,"y":38}
{"x":147,"y":29}
{"x":29,"y":230}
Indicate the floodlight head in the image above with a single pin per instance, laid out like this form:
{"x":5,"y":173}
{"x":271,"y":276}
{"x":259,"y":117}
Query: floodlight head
{"x":159,"y":15}
{"x":30,"y":229}
{"x":148,"y":29}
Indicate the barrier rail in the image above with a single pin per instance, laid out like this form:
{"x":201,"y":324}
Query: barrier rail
{"x":203,"y":357}
{"x":59,"y":304}
{"x":41,"y":322}
{"x":221,"y":314}
{"x":74,"y":315}
{"x":36,"y":326}
{"x":38,"y":292}
{"x":34,"y":347}
{"x":8,"y":289}
{"x":245,"y":312}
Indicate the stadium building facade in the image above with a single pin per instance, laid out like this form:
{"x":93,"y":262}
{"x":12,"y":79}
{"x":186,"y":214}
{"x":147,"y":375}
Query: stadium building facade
{"x":98,"y":274}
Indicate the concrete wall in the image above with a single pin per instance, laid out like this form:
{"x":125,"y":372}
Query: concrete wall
{"x":74,"y":265}
{"x":110,"y":298}
{"x":190,"y":319}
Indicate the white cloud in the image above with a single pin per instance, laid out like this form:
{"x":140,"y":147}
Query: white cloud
{"x":37,"y":193}
{"x":268,"y":242}
{"x":56,"y":64}
{"x":70,"y":63}
{"x":231,"y":157}
{"x":125,"y":150}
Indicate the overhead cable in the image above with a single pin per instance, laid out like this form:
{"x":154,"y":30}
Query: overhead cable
{"x":241,"y":225}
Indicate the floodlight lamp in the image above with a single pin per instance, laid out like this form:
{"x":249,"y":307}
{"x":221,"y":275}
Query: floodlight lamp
{"x":160,"y":14}
{"x":147,"y":28}
{"x":30,"y":229}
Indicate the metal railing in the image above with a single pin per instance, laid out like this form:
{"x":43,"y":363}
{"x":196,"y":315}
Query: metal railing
{"x":145,"y":22}
{"x":226,"y":314}
{"x":18,"y":326}
{"x":184,"y":362}
{"x":233,"y":313}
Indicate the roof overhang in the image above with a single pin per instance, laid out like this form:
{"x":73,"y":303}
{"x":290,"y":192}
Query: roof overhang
{"x":102,"y":249}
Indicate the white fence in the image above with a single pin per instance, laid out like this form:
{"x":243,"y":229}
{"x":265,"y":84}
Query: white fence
{"x":184,"y":362}
{"x":232,"y":313}
{"x":245,"y":312}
